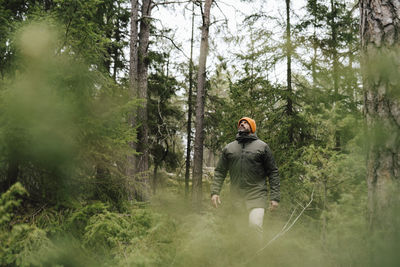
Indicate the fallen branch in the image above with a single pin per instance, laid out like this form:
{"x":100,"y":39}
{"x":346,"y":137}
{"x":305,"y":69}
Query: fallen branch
{"x":285,"y":228}
{"x":37,"y":212}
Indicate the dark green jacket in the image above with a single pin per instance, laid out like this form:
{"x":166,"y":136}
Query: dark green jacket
{"x":249,"y":161}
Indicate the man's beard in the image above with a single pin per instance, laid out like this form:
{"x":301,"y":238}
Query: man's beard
{"x":243,"y":131}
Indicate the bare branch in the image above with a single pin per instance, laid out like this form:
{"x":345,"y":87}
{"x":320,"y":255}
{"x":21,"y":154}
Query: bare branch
{"x":355,"y":6}
{"x":37,"y":211}
{"x":230,"y":5}
{"x":222,"y":12}
{"x":298,"y":203}
{"x":170,"y":2}
{"x":291,"y":215}
{"x":285,"y":228}
{"x":173,"y":43}
{"x":218,"y":20}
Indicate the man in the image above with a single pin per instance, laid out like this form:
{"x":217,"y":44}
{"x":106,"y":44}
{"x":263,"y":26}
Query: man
{"x":249,"y":161}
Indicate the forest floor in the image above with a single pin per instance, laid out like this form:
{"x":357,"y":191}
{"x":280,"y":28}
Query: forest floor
{"x":166,"y":232}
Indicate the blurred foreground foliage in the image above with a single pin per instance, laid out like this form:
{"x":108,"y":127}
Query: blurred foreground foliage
{"x":89,"y":235}
{"x":166,"y":233}
{"x":64,"y":134}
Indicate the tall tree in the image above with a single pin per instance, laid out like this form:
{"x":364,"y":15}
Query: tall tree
{"x":133,"y":80}
{"x":190,"y":111}
{"x":335,"y":63}
{"x":334,"y":46}
{"x":289,"y":98}
{"x":140,"y":36}
{"x":200,"y":99}
{"x":143,"y":61}
{"x":380,"y":39}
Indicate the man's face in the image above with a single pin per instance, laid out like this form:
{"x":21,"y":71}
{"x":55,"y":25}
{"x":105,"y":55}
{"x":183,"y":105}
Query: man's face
{"x":244,"y":126}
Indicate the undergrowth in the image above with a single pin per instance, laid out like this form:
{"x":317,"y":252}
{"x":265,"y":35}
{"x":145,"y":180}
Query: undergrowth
{"x":167,"y":233}
{"x":90,"y":235}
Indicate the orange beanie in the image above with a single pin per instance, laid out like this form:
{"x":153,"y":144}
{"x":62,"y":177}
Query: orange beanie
{"x":251,"y":122}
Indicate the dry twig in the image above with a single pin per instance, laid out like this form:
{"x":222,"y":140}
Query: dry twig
{"x":285,"y":228}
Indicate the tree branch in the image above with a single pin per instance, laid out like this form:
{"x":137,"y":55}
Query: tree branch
{"x":218,"y":20}
{"x":285,"y":228}
{"x":222,"y":12}
{"x":356,"y":5}
{"x":172,"y":2}
{"x":172,"y":41}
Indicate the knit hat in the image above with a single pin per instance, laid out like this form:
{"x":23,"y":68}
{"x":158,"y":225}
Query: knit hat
{"x":251,"y":122}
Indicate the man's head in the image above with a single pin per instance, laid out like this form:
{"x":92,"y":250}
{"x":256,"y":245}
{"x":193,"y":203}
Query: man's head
{"x":246,"y":124}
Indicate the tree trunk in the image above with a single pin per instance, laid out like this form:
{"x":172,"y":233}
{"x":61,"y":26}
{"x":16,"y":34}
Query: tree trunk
{"x":116,"y":49}
{"x":190,"y":111}
{"x":138,"y":72}
{"x":200,"y":99}
{"x":289,"y":104}
{"x":334,"y":44}
{"x":324,"y":222}
{"x":380,"y":28}
{"x":133,"y":85}
{"x":143,"y":131}
{"x":314,"y":61}
{"x":335,"y":65}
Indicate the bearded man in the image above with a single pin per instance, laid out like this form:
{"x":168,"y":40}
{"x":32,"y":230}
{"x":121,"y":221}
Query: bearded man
{"x":249,"y":161}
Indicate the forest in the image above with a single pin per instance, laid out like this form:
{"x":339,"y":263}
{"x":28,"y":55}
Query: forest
{"x":115,"y":113}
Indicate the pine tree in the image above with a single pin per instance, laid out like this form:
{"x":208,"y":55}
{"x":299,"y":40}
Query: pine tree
{"x":201,"y":83}
{"x":380,"y":46}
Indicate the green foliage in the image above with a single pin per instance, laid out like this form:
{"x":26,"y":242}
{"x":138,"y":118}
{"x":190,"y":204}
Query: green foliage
{"x":91,"y":234}
{"x":143,"y":237}
{"x":134,"y":233}
{"x":65,"y":135}
{"x":348,"y":229}
{"x":64,"y":119}
{"x":164,"y":114}
{"x":25,"y":246}
{"x":9,"y":201}
{"x":63,"y":124}
{"x":22,"y":244}
{"x":78,"y":220}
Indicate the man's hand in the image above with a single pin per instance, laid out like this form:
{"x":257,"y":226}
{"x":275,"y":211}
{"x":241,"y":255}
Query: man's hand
{"x":215,"y":200}
{"x":273,"y":205}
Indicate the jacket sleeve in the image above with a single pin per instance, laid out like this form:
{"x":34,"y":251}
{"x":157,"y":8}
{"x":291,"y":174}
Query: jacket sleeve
{"x":220,"y":173}
{"x":273,"y":175}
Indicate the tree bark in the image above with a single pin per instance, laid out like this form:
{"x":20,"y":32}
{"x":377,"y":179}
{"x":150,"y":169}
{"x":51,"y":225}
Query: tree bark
{"x":133,"y":87}
{"x":379,"y":29}
{"x":115,"y":48}
{"x":190,"y":111}
{"x":335,"y":65}
{"x":142,"y":166}
{"x":289,"y":104}
{"x":324,"y":221}
{"x":200,"y":99}
{"x":334,"y":43}
{"x":314,"y":61}
{"x":138,"y":72}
